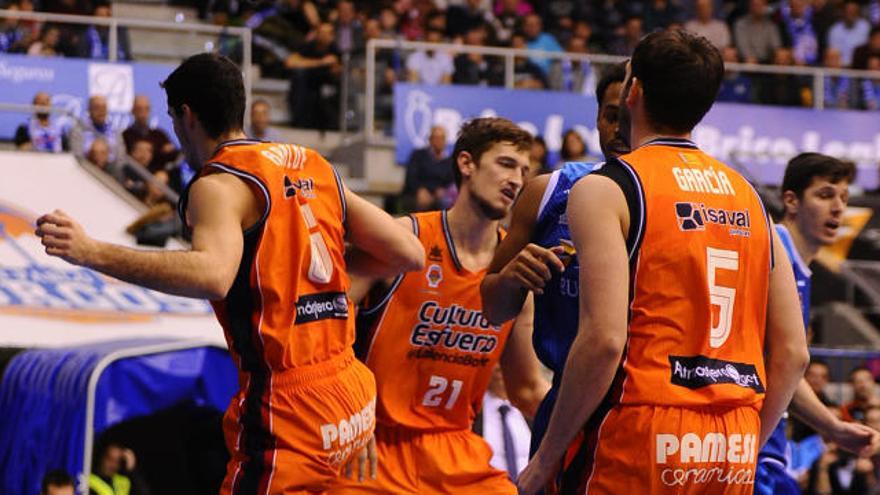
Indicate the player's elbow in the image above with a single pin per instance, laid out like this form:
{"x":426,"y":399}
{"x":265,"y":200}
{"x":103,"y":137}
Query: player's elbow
{"x":217,"y":286}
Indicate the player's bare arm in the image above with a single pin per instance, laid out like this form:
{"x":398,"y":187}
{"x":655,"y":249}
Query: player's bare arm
{"x":384,"y":246}
{"x":220,"y":207}
{"x":518,"y":265}
{"x":370,"y":271}
{"x":785,"y":347}
{"x":600,"y":241}
{"x":853,"y":437}
{"x":524,"y":379}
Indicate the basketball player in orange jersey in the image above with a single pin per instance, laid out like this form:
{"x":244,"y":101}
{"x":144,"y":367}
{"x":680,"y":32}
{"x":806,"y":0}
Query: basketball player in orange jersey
{"x":268,"y":225}
{"x":424,"y":336}
{"x":690,"y":342}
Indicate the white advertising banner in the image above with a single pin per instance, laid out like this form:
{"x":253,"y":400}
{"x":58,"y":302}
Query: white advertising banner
{"x":47,"y":302}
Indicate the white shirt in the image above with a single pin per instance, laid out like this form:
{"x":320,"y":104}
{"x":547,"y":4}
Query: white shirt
{"x":431,"y":69}
{"x":494,"y":436}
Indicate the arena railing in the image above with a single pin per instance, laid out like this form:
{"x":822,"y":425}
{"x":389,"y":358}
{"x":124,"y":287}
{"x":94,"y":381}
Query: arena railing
{"x":114,"y":23}
{"x":818,"y":74}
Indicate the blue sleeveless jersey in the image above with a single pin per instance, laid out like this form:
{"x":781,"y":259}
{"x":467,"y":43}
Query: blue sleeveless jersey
{"x":776,"y":444}
{"x":556,"y":311}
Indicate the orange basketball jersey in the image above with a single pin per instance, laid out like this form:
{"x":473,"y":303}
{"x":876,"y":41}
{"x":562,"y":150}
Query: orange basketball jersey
{"x":700,"y":282}
{"x":288,"y":305}
{"x":427,"y":342}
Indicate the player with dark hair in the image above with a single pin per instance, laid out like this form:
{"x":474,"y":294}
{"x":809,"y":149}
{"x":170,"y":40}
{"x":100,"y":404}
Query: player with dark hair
{"x":814,"y":195}
{"x":530,"y":257}
{"x":424,"y":335}
{"x":269,"y":223}
{"x":57,"y":482}
{"x":685,"y":349}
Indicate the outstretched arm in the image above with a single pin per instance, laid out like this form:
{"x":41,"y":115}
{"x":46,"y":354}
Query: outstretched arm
{"x":220,"y":207}
{"x":383,"y":247}
{"x":595,"y":353}
{"x":785,"y":345}
{"x":854,"y":437}
{"x":518,"y":266}
{"x":524,"y":379}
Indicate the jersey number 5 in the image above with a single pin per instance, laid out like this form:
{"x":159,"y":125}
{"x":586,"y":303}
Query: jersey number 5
{"x":719,"y":295}
{"x":436,"y":386}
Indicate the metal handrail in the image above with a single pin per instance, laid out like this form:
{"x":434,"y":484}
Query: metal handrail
{"x":818,"y":74}
{"x":114,"y":23}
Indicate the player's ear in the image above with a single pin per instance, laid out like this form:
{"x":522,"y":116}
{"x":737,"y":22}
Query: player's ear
{"x":790,"y":202}
{"x":465,"y":163}
{"x":635,"y":92}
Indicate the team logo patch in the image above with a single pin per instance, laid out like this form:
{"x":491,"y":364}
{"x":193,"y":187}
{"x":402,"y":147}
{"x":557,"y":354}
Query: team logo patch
{"x":695,"y":216}
{"x":306,"y":187}
{"x":689,"y":217}
{"x":695,"y":372}
{"x":321,"y":306}
{"x":434,"y":276}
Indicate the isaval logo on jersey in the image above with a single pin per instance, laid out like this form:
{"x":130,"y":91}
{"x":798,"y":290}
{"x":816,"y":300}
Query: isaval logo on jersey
{"x":321,"y":306}
{"x":306,"y":187}
{"x":695,"y":216}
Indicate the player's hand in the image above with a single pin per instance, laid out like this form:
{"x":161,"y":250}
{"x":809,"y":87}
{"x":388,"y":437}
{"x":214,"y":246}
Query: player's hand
{"x":532,"y":267}
{"x":534,"y":477}
{"x":856,"y":438}
{"x":64,"y":238}
{"x":365,"y":459}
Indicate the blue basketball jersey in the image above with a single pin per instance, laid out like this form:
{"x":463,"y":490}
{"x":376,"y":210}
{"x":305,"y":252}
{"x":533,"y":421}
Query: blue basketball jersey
{"x":777,"y":443}
{"x":556,"y":311}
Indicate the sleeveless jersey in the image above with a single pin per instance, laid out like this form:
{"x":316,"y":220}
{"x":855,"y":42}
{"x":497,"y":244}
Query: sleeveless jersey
{"x":776,"y":446}
{"x":288,"y":305}
{"x":427,"y":342}
{"x":699,"y":283}
{"x":556,"y":310}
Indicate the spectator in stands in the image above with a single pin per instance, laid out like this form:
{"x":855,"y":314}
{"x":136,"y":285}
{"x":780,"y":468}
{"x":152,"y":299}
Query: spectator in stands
{"x":389,"y":21}
{"x":538,"y":157}
{"x":114,"y":471}
{"x":785,"y":89}
{"x":838,"y":89}
{"x":574,"y":76}
{"x":736,"y":87}
{"x":840,"y":473}
{"x":47,"y":45}
{"x":817,"y":377}
{"x":474,"y":68}
{"x":869,"y":49}
{"x":97,"y":125}
{"x":14,"y":36}
{"x":633,"y":31}
{"x":141,"y":128}
{"x":574,"y":148}
{"x":504,"y":428}
{"x":314,"y":89}
{"x":99,"y":156}
{"x":428,"y":174}
{"x":260,"y":128}
{"x":797,"y":22}
{"x":757,"y":37}
{"x":160,"y":222}
{"x":96,"y":41}
{"x":659,"y":14}
{"x":609,"y":18}
{"x":133,"y":169}
{"x":506,"y":18}
{"x":57,"y":482}
{"x":864,"y":394}
{"x":526,"y":74}
{"x":430,"y":66}
{"x":849,"y":32}
{"x":463,"y":17}
{"x":537,"y":39}
{"x":280,"y":32}
{"x":871,"y":87}
{"x":707,"y":26}
{"x":349,"y":30}
{"x":41,"y":132}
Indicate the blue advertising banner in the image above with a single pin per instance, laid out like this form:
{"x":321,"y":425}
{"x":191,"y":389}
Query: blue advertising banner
{"x":70,"y":82}
{"x":758,"y":139}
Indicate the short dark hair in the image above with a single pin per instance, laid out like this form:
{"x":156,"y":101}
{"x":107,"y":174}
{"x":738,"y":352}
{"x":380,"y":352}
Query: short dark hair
{"x":56,"y":477}
{"x":802,"y":169}
{"x":858,"y":369}
{"x":613,"y":74}
{"x":212,"y":87}
{"x":478,"y":135}
{"x":681,"y":74}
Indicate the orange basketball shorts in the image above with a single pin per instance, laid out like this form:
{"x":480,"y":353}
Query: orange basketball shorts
{"x":664,"y":450}
{"x":425,"y":463}
{"x":293,"y":432}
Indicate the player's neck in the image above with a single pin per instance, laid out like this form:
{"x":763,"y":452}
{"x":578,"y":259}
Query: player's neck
{"x":472,"y":231}
{"x":806,"y":250}
{"x":209,"y":145}
{"x":643,"y":133}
